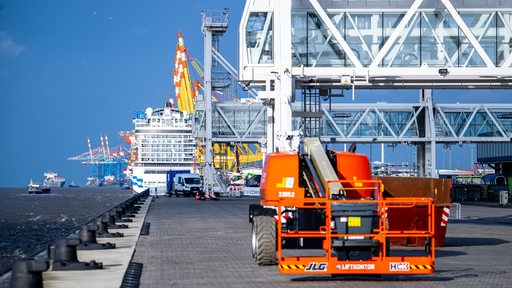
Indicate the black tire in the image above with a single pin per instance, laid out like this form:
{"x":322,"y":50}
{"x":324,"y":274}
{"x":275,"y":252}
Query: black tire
{"x":268,"y":212}
{"x":254,"y":210}
{"x":254,"y":240}
{"x":263,"y":240}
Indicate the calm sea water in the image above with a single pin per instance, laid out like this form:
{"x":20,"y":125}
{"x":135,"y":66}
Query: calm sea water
{"x":31,"y":222}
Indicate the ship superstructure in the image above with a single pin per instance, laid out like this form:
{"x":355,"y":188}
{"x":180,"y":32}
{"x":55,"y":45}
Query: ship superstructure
{"x":163,"y":141}
{"x":52,"y":179}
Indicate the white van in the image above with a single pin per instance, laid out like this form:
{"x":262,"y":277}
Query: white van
{"x":187,"y":184}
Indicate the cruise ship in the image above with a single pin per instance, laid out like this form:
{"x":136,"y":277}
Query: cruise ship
{"x":163,"y":141}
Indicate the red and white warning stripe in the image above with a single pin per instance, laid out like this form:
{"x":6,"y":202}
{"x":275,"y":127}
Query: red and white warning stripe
{"x":283,"y":218}
{"x":235,"y":191}
{"x":445,"y":216}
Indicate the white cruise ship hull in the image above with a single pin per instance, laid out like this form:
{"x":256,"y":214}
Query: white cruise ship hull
{"x":147,"y":178}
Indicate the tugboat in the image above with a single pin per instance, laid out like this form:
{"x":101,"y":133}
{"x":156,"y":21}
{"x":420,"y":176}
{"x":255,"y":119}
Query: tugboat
{"x":73,"y":185}
{"x":35,"y":188}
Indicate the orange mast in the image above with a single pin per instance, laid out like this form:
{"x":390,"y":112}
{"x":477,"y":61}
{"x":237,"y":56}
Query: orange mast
{"x":182,"y":84}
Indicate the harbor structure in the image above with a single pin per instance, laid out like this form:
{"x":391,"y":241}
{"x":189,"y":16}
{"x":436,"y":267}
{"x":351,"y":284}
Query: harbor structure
{"x":107,"y":163}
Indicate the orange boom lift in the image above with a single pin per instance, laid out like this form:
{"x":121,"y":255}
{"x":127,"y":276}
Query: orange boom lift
{"x":322,"y":213}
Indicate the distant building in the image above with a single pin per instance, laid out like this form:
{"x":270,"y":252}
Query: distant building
{"x":497,"y":156}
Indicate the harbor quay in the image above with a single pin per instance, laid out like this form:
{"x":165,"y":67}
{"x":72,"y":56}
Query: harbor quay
{"x":207,"y":244}
{"x":192,"y":243}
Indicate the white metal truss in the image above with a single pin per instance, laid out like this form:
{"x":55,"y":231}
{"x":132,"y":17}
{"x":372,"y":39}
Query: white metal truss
{"x":337,"y":35}
{"x":230,"y":69}
{"x":468,"y":33}
{"x":394,"y":36}
{"x":401,"y":123}
{"x":375,"y":122}
{"x":374,"y":44}
{"x":239,"y":123}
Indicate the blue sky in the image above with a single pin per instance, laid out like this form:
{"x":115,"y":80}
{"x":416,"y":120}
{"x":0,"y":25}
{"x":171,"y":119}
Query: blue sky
{"x":76,"y":69}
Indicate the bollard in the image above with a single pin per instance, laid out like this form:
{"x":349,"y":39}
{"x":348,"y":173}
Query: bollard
{"x":88,"y":239}
{"x":65,"y":257}
{"x":119,"y":216}
{"x":103,"y":230}
{"x":125,"y":212}
{"x":110,"y":218}
{"x":28,"y":273}
{"x":130,"y":210}
{"x":135,"y":208}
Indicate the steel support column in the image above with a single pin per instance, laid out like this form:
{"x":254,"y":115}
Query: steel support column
{"x":213,"y":26}
{"x":426,"y":157}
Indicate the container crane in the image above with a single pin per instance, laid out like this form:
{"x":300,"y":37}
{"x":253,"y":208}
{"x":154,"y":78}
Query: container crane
{"x":106,"y":161}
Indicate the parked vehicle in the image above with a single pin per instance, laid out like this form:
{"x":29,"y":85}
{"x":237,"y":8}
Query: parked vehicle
{"x":171,"y":175}
{"x":252,"y":186}
{"x":187,"y":184}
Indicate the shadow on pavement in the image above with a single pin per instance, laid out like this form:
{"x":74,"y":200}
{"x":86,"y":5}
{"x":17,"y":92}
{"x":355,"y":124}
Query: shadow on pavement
{"x":472,"y":241}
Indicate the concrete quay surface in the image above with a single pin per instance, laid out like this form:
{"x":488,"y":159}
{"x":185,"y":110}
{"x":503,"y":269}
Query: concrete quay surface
{"x":207,"y":244}
{"x":115,"y":261}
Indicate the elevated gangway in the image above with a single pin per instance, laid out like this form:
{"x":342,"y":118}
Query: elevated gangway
{"x":318,"y":47}
{"x":368,"y":44}
{"x":374,"y":122}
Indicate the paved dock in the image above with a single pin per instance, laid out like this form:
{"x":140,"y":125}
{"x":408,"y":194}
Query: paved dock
{"x":207,"y":244}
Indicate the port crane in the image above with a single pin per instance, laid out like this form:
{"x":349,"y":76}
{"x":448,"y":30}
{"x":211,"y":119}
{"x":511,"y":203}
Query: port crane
{"x":228,"y":156}
{"x":105,"y":161}
{"x":186,"y":88}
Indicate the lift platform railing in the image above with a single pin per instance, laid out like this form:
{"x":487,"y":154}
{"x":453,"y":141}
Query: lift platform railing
{"x":353,"y":235}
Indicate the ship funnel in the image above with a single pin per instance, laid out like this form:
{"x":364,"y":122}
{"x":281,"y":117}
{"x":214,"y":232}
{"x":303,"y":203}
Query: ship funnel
{"x":149,"y":111}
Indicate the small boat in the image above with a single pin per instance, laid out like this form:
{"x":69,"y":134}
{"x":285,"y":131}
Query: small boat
{"x":73,"y":185}
{"x":33,"y":187}
{"x":36,"y":188}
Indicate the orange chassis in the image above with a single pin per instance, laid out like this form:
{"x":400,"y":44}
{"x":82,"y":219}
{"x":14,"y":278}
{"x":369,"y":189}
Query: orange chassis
{"x":383,"y":260}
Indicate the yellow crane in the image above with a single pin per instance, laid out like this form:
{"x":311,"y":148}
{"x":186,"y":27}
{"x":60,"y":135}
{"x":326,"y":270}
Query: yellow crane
{"x":182,"y":84}
{"x":228,"y":157}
